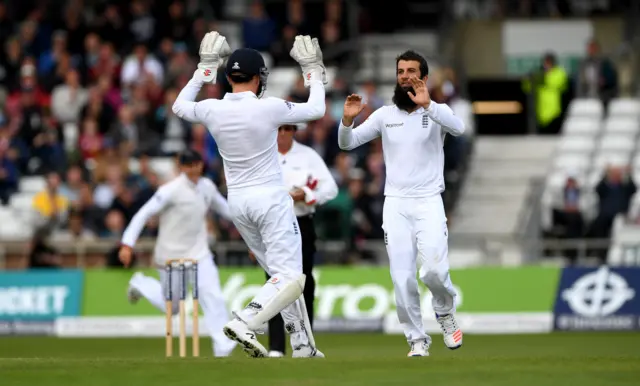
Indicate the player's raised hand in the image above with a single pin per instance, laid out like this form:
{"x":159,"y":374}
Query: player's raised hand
{"x":420,"y":96}
{"x":307,"y":53}
{"x":125,"y":255}
{"x":352,"y":107}
{"x":213,"y":50}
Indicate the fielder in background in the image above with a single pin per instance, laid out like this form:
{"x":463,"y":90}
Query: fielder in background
{"x":182,"y":206}
{"x":311,"y":184}
{"x":245,"y":127}
{"x":414,"y":222}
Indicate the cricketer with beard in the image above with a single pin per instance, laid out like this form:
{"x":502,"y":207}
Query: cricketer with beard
{"x":414,"y":222}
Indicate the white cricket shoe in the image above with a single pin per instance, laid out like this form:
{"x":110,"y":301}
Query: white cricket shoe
{"x":276,"y":354}
{"x":419,"y":348}
{"x":132,"y":293}
{"x":451,"y":333}
{"x":239,"y":331}
{"x":306,"y":351}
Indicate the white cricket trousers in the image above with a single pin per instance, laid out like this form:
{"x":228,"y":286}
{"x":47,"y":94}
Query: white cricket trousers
{"x":209,"y":295}
{"x":266,"y":221}
{"x":417,"y":227}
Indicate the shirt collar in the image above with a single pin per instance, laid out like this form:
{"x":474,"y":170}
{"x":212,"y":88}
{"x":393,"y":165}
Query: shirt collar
{"x":189,"y":182}
{"x":240,"y":95}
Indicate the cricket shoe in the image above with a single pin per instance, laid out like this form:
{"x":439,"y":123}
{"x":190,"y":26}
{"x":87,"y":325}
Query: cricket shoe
{"x":132,"y":293}
{"x":419,"y":348}
{"x":306,"y":351}
{"x":276,"y":354}
{"x":451,"y":333}
{"x":239,"y":331}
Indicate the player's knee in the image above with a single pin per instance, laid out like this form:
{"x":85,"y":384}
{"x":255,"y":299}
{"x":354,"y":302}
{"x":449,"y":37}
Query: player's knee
{"x":401,"y":277}
{"x":281,"y":279}
{"x":428,"y":258}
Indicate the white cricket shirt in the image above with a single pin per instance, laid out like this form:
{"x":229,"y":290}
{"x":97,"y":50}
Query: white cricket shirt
{"x":304,"y":168}
{"x":412,"y":145}
{"x":245,"y":129}
{"x":182,"y":207}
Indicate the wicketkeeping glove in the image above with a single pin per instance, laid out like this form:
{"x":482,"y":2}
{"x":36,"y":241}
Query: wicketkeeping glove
{"x":213,"y":50}
{"x":307,"y":53}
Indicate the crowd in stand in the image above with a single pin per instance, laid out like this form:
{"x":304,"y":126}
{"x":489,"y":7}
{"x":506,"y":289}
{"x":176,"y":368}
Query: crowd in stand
{"x":113,"y":71}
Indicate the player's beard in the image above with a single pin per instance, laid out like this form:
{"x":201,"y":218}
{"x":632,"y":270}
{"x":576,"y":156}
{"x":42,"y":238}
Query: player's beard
{"x":401,"y":99}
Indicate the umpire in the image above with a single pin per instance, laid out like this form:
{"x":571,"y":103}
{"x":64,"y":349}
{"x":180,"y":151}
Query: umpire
{"x":311,"y":184}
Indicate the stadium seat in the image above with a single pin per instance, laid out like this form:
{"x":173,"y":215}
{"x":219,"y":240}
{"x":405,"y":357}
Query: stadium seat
{"x":283,"y":76}
{"x":594,"y":177}
{"x":164,"y":166}
{"x":622,"y":125}
{"x":576,"y":145}
{"x":603,"y":160}
{"x":570,"y":162}
{"x":624,"y":107}
{"x":557,"y":179}
{"x":581,"y":126}
{"x":591,"y":108}
{"x":22,"y":201}
{"x":172,"y":146}
{"x":617,"y":143}
{"x":32,"y":184}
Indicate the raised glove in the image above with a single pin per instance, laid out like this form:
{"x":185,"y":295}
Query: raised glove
{"x":213,"y":50}
{"x":307,"y":53}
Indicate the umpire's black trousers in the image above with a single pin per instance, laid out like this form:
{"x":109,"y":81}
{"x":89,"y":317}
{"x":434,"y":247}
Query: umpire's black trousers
{"x":276,"y":324}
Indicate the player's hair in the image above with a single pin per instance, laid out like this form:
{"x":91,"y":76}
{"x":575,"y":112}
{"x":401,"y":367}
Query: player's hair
{"x":412,"y":55}
{"x":240,"y":78}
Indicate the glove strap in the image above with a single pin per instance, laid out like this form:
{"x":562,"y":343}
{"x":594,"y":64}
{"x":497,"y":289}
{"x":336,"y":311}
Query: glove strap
{"x":206,"y":73}
{"x":313,"y":74}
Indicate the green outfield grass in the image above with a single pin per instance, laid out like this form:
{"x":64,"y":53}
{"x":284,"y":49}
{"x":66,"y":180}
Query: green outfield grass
{"x":568,"y":359}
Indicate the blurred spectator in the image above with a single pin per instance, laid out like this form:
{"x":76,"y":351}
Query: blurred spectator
{"x":75,"y":232}
{"x":597,"y":76}
{"x":111,"y":25}
{"x":549,"y":84}
{"x":8,"y":173}
{"x":49,"y":59}
{"x":75,"y":27}
{"x":92,"y":215}
{"x":142,"y":26}
{"x":105,"y":192}
{"x":50,"y":204}
{"x":258,"y":29}
{"x":98,"y":111}
{"x":280,"y":49}
{"x":366,"y":222}
{"x":614,"y":193}
{"x":68,"y":99}
{"x":10,"y":63}
{"x":72,"y":185}
{"x":90,"y":56}
{"x":111,"y":95}
{"x":178,"y":25}
{"x":6,"y":25}
{"x":568,"y":221}
{"x":41,"y":254}
{"x":123,"y":202}
{"x":90,"y":140}
{"x":114,"y":224}
{"x":141,"y":66}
